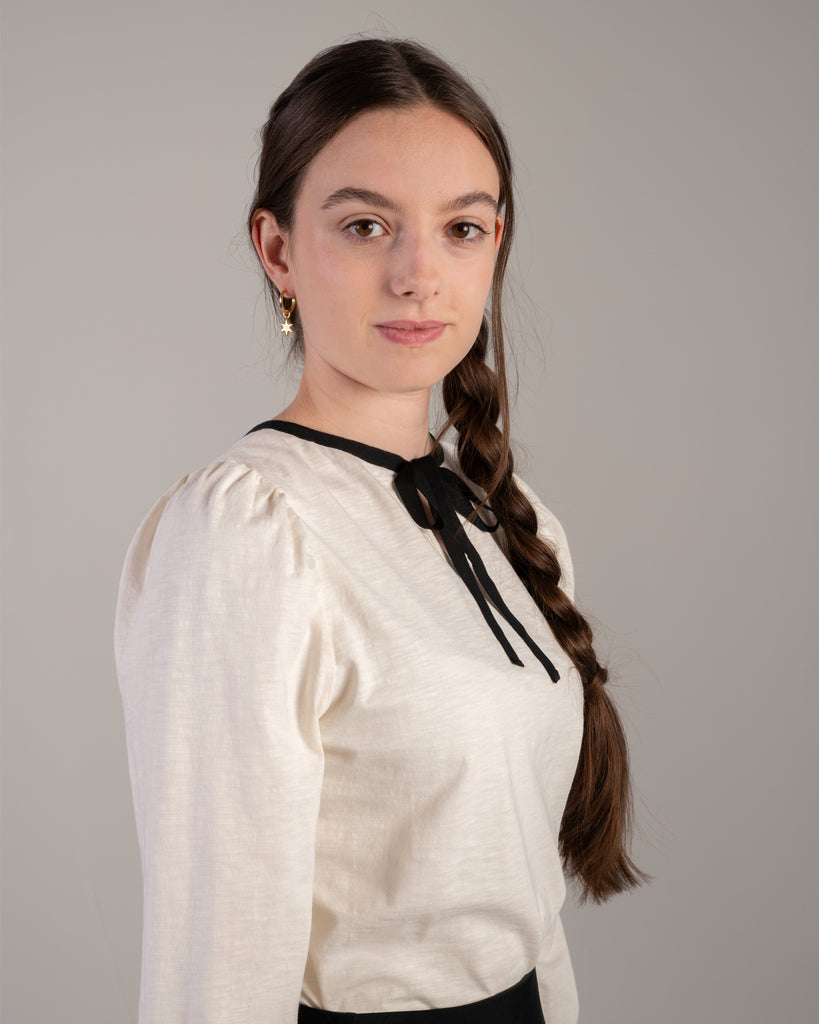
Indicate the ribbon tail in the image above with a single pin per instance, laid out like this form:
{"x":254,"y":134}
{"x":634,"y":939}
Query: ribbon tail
{"x":492,"y":592}
{"x":466,"y":560}
{"x":462,"y":566}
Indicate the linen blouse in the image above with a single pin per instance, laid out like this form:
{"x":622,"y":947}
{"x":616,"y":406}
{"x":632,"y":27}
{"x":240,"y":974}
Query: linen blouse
{"x":346,"y":793}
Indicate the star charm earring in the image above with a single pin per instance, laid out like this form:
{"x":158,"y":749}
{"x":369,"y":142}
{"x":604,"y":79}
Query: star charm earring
{"x":287,"y":304}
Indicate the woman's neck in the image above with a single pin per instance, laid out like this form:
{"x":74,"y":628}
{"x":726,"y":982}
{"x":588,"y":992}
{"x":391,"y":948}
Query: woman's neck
{"x":397,"y":423}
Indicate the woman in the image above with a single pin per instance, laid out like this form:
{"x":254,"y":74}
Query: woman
{"x":353,"y":676}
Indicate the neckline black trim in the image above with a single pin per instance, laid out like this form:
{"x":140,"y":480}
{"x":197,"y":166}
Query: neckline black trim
{"x":367,"y":452}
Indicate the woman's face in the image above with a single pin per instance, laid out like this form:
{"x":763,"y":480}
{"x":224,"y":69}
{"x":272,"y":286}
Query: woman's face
{"x":392,"y":248}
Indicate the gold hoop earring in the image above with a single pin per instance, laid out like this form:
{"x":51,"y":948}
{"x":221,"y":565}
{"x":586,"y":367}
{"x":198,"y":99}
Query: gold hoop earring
{"x":287,"y":304}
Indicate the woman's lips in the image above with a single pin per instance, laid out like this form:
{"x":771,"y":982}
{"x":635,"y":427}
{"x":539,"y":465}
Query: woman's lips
{"x":412,"y":332}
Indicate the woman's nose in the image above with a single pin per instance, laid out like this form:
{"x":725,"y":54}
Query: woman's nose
{"x":415,"y":270}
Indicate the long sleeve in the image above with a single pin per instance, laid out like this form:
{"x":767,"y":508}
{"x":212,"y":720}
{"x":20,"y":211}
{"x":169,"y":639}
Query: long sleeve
{"x":558,"y":992}
{"x":223,"y":665}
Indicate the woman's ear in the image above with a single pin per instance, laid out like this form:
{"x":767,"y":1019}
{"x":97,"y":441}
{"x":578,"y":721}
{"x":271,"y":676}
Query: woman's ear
{"x":498,"y":232}
{"x":272,"y":245}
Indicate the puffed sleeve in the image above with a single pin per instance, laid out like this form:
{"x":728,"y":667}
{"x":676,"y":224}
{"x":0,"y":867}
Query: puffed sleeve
{"x":558,"y":992}
{"x":223,"y":667}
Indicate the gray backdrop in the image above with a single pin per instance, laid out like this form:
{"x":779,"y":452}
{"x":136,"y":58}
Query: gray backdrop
{"x":667,"y":163}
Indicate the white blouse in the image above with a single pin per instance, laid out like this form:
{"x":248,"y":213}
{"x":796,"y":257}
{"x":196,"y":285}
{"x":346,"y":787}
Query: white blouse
{"x":346,"y":792}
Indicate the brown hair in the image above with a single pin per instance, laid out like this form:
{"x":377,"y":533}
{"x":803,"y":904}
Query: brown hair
{"x":335,"y":86}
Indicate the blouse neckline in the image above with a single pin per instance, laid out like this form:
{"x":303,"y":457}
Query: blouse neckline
{"x":366,"y":452}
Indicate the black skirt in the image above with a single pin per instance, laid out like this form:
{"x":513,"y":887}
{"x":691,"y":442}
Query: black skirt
{"x":519,"y":1004}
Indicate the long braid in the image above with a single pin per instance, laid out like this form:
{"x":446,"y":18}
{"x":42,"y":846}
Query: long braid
{"x":596,"y":826}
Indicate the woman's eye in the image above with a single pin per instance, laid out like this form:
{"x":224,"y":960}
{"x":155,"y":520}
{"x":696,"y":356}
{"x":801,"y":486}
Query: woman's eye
{"x":365,"y":228}
{"x":466,"y":231}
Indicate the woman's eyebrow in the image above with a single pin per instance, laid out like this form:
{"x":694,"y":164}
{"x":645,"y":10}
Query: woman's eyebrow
{"x":362,"y":195}
{"x":471,"y":199}
{"x":367,"y":196}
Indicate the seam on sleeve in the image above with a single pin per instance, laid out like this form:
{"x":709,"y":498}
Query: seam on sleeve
{"x":325,"y":690}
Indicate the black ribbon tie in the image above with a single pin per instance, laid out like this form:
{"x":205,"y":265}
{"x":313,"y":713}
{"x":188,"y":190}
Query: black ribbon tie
{"x":448,"y":497}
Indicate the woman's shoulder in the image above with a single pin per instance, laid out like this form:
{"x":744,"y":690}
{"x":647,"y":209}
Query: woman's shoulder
{"x":550,"y":529}
{"x":234,"y":503}
{"x":548,"y":524}
{"x":255,"y":475}
{"x":220,"y":495}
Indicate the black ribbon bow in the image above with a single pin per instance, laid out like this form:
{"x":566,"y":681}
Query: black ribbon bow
{"x":448,"y":497}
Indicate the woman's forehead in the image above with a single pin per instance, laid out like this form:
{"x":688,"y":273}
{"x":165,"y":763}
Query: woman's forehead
{"x":402,"y":155}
